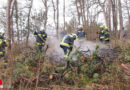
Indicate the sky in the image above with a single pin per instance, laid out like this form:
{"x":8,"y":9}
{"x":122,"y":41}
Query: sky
{"x":37,"y":4}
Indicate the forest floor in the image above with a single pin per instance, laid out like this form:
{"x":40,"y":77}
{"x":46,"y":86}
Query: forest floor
{"x":102,"y":68}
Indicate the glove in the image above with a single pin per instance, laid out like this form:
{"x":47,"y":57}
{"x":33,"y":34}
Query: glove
{"x":35,"y":33}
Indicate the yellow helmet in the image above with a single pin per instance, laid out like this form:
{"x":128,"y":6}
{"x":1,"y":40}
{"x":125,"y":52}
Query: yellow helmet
{"x":101,"y":26}
{"x":106,"y":28}
{"x":5,"y":40}
{"x":74,"y":35}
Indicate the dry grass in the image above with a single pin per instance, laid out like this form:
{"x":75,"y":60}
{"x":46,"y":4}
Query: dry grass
{"x":115,"y":43}
{"x":114,"y":82}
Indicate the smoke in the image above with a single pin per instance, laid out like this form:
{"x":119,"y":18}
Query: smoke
{"x":56,"y":54}
{"x":54,"y":47}
{"x":85,"y":45}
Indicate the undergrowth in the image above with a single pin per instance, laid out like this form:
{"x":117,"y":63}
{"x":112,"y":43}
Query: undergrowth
{"x":34,"y":70}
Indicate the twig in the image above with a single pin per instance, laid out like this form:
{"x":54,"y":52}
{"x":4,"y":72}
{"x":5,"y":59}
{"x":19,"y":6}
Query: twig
{"x":38,"y":72}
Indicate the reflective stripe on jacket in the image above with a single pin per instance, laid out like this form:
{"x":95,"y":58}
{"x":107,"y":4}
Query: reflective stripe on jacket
{"x":81,"y":34}
{"x":3,"y":43}
{"x":40,"y":44}
{"x":101,"y":34}
{"x":107,"y":35}
{"x":40,"y":37}
{"x":67,"y":41}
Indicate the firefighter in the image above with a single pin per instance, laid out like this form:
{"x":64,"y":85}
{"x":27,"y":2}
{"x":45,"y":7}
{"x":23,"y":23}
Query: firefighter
{"x":101,"y":33}
{"x":67,"y":44}
{"x":106,"y":35}
{"x":41,"y":37}
{"x":80,"y":33}
{"x":3,"y":44}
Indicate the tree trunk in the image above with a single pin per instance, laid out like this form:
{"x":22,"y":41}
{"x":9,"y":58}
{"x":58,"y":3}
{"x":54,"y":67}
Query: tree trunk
{"x":84,"y":15}
{"x":64,"y":13}
{"x":57,"y":27}
{"x":88,"y":13}
{"x":105,"y":12}
{"x":8,"y":24}
{"x":16,"y":20}
{"x":114,"y":18}
{"x":114,"y":13}
{"x":78,"y":11}
{"x":28,"y":32}
{"x":109,"y":14}
{"x":54,"y":9}
{"x":128,"y":8}
{"x":128,"y":15}
{"x":120,"y":18}
{"x":81,"y":11}
{"x":12,"y":13}
{"x":45,"y":13}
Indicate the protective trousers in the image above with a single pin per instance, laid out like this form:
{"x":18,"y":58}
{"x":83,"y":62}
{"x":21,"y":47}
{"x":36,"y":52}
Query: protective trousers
{"x":107,"y":38}
{"x":101,"y":35}
{"x":2,"y":55}
{"x":67,"y":51}
{"x":40,"y":46}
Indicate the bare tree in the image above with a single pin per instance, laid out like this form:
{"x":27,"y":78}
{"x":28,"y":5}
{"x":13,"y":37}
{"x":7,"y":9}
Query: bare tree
{"x":57,"y":26}
{"x":109,"y":14}
{"x":12,"y":13}
{"x":114,"y":14}
{"x":45,"y":13}
{"x":54,"y":9}
{"x":120,"y":17}
{"x":8,"y":23}
{"x":28,"y":32}
{"x":127,"y":8}
{"x":64,"y":13}
{"x":77,"y":8}
{"x":105,"y":10}
{"x":84,"y":11}
{"x":16,"y":20}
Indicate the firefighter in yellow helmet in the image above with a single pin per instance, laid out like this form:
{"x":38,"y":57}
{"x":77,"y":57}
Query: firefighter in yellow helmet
{"x":41,"y":37}
{"x":101,"y":33}
{"x":67,"y":44}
